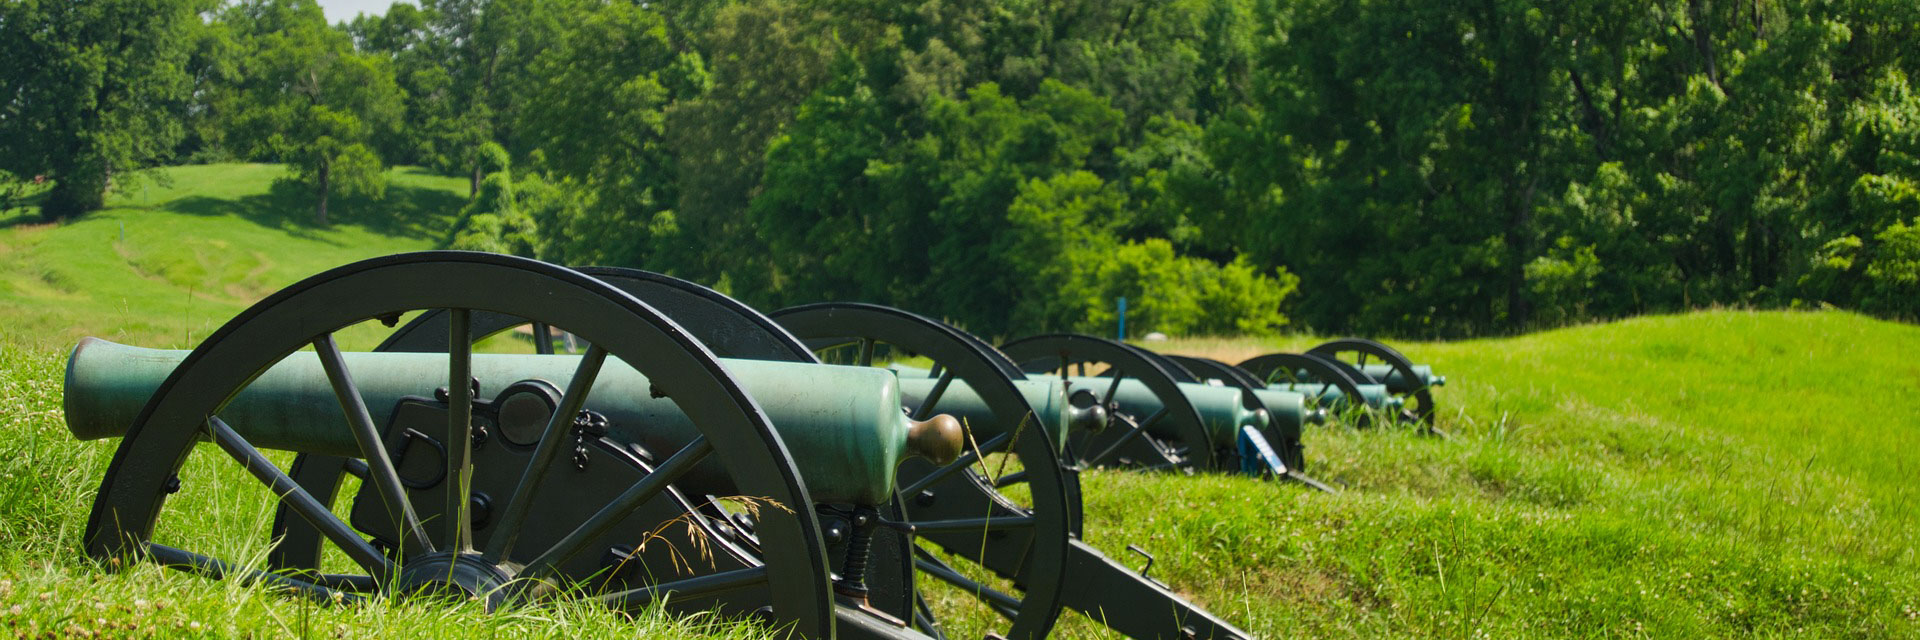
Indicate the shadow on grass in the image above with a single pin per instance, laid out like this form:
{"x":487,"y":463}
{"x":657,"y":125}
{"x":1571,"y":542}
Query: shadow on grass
{"x":21,"y":209}
{"x":405,"y":212}
{"x":20,"y":217}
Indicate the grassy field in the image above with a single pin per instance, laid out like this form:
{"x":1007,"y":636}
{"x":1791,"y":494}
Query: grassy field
{"x":164,"y":265}
{"x":1719,"y":474}
{"x":1725,"y":473}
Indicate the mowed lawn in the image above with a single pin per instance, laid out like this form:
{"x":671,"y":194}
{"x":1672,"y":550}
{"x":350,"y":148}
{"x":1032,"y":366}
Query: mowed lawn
{"x":166,"y":264}
{"x":1718,"y":474}
{"x":1712,"y":474}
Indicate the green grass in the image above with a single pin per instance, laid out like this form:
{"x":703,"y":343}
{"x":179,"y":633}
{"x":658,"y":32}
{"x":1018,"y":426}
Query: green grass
{"x":1724,"y":473}
{"x":164,"y":265}
{"x":1719,"y":474}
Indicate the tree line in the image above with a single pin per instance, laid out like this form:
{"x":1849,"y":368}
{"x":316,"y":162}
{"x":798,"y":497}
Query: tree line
{"x":1413,"y":167}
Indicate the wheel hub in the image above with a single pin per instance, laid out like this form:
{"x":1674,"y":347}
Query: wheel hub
{"x":446,"y":574}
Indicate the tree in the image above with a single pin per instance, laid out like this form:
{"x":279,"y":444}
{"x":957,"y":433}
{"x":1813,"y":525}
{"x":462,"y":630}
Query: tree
{"x":599,"y":117}
{"x":767,"y":57}
{"x":494,"y":220}
{"x":89,"y":92}
{"x":306,"y":99}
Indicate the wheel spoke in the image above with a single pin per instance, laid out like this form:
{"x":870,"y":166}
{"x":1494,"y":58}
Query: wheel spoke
{"x":542,"y":339}
{"x":603,"y":520}
{"x":1112,"y":388}
{"x":965,"y":460}
{"x":459,"y":440}
{"x":297,"y":498}
{"x":351,"y":582}
{"x":1001,"y":603}
{"x":386,"y":481}
{"x":710,"y":584}
{"x":933,"y":396}
{"x":1132,"y":433}
{"x":963,"y":525}
{"x":923,"y":618}
{"x":552,"y":440}
{"x":344,"y":582}
{"x":866,"y":352}
{"x":219,"y":569}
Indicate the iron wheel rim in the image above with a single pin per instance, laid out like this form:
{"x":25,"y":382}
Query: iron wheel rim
{"x":187,"y":403}
{"x":991,"y":374}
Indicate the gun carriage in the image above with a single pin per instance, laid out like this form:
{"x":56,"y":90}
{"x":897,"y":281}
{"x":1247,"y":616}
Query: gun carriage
{"x":471,"y":496}
{"x":818,"y":493}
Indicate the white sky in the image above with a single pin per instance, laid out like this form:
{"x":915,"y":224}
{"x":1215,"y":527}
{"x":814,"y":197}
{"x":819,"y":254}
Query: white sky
{"x":344,"y":10}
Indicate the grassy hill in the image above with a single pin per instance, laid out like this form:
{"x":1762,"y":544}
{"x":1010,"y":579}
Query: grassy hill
{"x":1725,"y":474}
{"x":1720,"y":474}
{"x":165,"y":264}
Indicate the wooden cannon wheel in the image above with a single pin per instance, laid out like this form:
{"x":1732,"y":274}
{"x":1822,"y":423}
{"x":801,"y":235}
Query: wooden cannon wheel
{"x":1317,"y":375}
{"x":1192,"y":446}
{"x":733,"y":433}
{"x":938,"y":499}
{"x":1292,"y":450}
{"x":730,"y":329}
{"x":1359,"y":352}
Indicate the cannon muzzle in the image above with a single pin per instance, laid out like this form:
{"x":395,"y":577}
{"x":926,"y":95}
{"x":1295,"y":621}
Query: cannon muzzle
{"x":1422,"y":373}
{"x":843,"y":425}
{"x":1048,"y":398}
{"x":1289,"y":411}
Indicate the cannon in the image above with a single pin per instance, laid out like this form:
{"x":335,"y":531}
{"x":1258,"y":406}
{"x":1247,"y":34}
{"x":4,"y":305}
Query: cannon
{"x":288,"y":408}
{"x":1025,"y":544}
{"x":1353,"y":364}
{"x":1016,"y":421}
{"x":1223,"y":411}
{"x":1166,"y":423}
{"x":1020,"y":421}
{"x":1341,"y":390}
{"x":463,"y":486}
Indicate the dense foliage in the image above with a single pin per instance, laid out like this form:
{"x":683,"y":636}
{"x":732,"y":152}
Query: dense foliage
{"x":1445,"y":167}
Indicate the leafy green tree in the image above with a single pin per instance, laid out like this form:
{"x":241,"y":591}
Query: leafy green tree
{"x":1446,"y":167}
{"x":1394,"y":153}
{"x":929,"y":198}
{"x":599,"y":117}
{"x":466,"y":66}
{"x":1070,"y":266}
{"x":983,"y":210}
{"x":307,"y":99}
{"x":494,"y":220}
{"x":766,"y":57}
{"x":1895,"y":271}
{"x":90,"y":91}
{"x":402,"y":37}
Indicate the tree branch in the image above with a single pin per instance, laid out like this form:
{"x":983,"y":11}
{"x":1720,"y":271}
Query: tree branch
{"x":1595,"y":121}
{"x":1703,"y":39}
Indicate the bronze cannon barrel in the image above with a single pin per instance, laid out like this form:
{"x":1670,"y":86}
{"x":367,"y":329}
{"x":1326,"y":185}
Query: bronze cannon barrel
{"x":1423,"y":376}
{"x":842,"y":425}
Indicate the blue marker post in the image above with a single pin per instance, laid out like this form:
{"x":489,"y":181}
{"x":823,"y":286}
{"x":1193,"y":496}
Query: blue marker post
{"x":1123,"y":319}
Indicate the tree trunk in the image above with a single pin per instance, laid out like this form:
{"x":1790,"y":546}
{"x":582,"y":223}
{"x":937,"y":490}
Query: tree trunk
{"x":321,"y":213}
{"x":473,"y":186}
{"x":75,"y":194}
{"x":1703,"y":38}
{"x":1518,"y":237}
